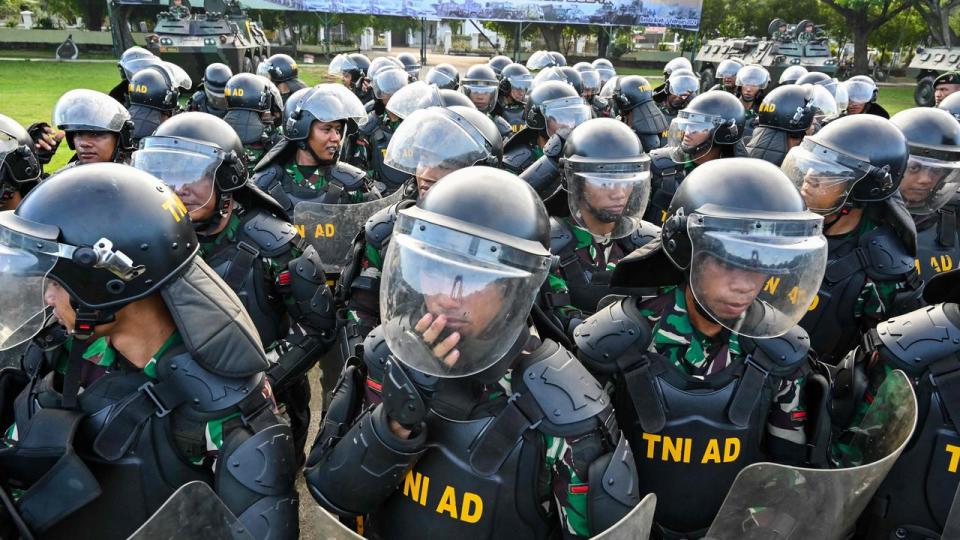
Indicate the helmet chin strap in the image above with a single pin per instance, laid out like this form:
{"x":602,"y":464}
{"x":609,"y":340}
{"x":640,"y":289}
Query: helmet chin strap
{"x":224,"y":207}
{"x":84,"y":327}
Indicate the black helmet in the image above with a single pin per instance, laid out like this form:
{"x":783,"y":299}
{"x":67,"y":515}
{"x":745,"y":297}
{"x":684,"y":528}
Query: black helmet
{"x":452,"y":98}
{"x":744,"y":215}
{"x":194,"y":146}
{"x":753,"y":75}
{"x":444,"y":76}
{"x":714,"y":117}
{"x":550,"y":91}
{"x":683,"y":83}
{"x":792,"y":74}
{"x":475,"y":250}
{"x":679,"y":62}
{"x":249,"y":97}
{"x":497,"y":63}
{"x":279,"y":68}
{"x":420,"y":95}
{"x":861,"y":89}
{"x":480,"y":84}
{"x":153,"y":88}
{"x":603,"y":158}
{"x":539,"y":60}
{"x":410,"y":64}
{"x":789,"y":108}
{"x":515,"y":76}
{"x":574,"y":78}
{"x":951,"y":104}
{"x":215,"y":79}
{"x":353,"y":64}
{"x":933,"y":173}
{"x":867,"y":153}
{"x":559,"y":58}
{"x":387,"y":82}
{"x":324,"y":103}
{"x":133,"y":60}
{"x":18,"y":160}
{"x":728,"y":68}
{"x":606,"y":70}
{"x":628,"y":92}
{"x":821,"y":79}
{"x":553,"y":73}
{"x":78,"y":224}
{"x":382,"y":63}
{"x":89,"y":110}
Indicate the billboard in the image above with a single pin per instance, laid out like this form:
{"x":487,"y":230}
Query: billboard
{"x":670,"y":13}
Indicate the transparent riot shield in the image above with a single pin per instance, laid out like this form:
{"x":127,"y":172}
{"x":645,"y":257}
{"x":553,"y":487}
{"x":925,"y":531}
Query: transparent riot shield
{"x":635,"y":525}
{"x":331,"y":228}
{"x":193,"y":512}
{"x":772,"y":501}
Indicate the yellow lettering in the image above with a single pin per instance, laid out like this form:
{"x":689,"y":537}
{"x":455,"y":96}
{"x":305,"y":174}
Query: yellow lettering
{"x":652,"y":441}
{"x":771,"y":285}
{"x":423,"y":492}
{"x":946,"y":263}
{"x":768,"y":107}
{"x":672,"y":449}
{"x":301,"y":230}
{"x":954,"y":452}
{"x":731,"y":450}
{"x":318,"y":231}
{"x":415,"y":487}
{"x":687,"y":447}
{"x":330,"y":230}
{"x":448,"y":502}
{"x":712,"y":454}
{"x":935,"y":265}
{"x":663,"y":216}
{"x":472,"y":508}
{"x":814,"y":303}
{"x":383,"y":153}
{"x":176,"y":208}
{"x":794,"y":295}
{"x":916,"y":262}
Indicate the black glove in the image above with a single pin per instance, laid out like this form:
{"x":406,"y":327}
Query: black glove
{"x":405,"y":400}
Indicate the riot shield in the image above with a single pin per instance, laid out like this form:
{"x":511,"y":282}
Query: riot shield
{"x":318,"y":523}
{"x":193,"y":512}
{"x":635,"y":525}
{"x":772,"y":501}
{"x":951,"y":528}
{"x":331,"y":228}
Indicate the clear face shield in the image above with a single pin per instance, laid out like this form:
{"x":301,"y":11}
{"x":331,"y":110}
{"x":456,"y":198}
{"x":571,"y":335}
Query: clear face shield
{"x":860,"y":92}
{"x":25,"y":262}
{"x":520,"y":87}
{"x":21,"y":165}
{"x":188,"y":168}
{"x":684,"y":86}
{"x":591,"y":83}
{"x":691,"y":135}
{"x":86,"y":110}
{"x":539,"y":60}
{"x":608,"y":199}
{"x":823,"y":176}
{"x":929,"y":182}
{"x":388,"y":82}
{"x":453,"y":304}
{"x":414,"y":97}
{"x":564,"y":114}
{"x":483,"y":94}
{"x":606,"y":73}
{"x":824,"y":106}
{"x":756,"y":276}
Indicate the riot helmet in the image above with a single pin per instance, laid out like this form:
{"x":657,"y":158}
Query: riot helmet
{"x":679,"y":62}
{"x":861,"y":91}
{"x":555,"y":107}
{"x":607,"y":178}
{"x":559,"y":58}
{"x":90,"y":249}
{"x":751,"y":80}
{"x":714,"y":117}
{"x":200,"y":158}
{"x":497,"y":63}
{"x":796,"y":108}
{"x":133,"y":60}
{"x":383,"y":63}
{"x":584,"y":66}
{"x":279,"y":68}
{"x":684,"y":85}
{"x":387,"y":82}
{"x":852,"y":161}
{"x":215,"y":79}
{"x":480,"y":84}
{"x":436,"y":141}
{"x":539,"y":60}
{"x":730,"y":245}
{"x":410,"y":64}
{"x":727,"y":72}
{"x":354,"y":65}
{"x":605,"y":69}
{"x":153,"y":99}
{"x":420,"y":95}
{"x":451,"y":98}
{"x":181,"y":80}
{"x":465,"y":262}
{"x":951,"y":104}
{"x":932,"y":176}
{"x":627,"y":92}
{"x":792,"y":74}
{"x":321,"y":103}
{"x":515,"y":82}
{"x":82,"y":110}
{"x":443,"y":76}
{"x":573,"y":77}
{"x":591,"y":83}
{"x":19,"y":166}
{"x":821,"y":79}
{"x":253,"y":105}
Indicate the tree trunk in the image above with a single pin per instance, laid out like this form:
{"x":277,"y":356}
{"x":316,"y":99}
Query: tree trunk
{"x":861,"y":30}
{"x":603,"y":40}
{"x":552,"y":35}
{"x":93,"y":13}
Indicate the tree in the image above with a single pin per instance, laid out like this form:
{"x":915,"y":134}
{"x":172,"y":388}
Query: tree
{"x":936,"y":13}
{"x":863,"y":17}
{"x":93,"y":12}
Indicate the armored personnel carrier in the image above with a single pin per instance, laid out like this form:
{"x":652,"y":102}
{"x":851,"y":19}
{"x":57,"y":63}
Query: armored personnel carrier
{"x":788,"y":45}
{"x":926,"y":65}
{"x":223,"y":33}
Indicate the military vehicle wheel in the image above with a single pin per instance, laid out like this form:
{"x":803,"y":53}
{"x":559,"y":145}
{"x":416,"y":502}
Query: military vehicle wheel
{"x":923,"y":93}
{"x":248,"y":65}
{"x":706,"y":78}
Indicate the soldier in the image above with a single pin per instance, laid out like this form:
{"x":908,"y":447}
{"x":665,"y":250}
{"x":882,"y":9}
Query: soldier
{"x":305,"y":164}
{"x":20,"y":170}
{"x":352,"y":69}
{"x":497,"y":63}
{"x":930,"y":184}
{"x":131,"y":61}
{"x":455,"y":322}
{"x":211,"y":99}
{"x":97,"y":127}
{"x":540,"y":60}
{"x":154,"y":98}
{"x":374,"y":136}
{"x":515,"y":82}
{"x":708,"y":375}
{"x":606,"y":176}
{"x":559,"y":58}
{"x":444,"y":76}
{"x":944,"y":85}
{"x":710,"y":128}
{"x":631,"y":99}
{"x":787,"y":114}
{"x":254,"y":111}
{"x":862,"y":94}
{"x":678,"y":63}
{"x":808,"y":32}
{"x":792,"y":74}
{"x":257,"y":253}
{"x":727,"y":75}
{"x":284,"y":72}
{"x":180,"y":9}
{"x":480,"y":84}
{"x":591,"y":90}
{"x":781,"y":33}
{"x":411,"y":65}
{"x":605,"y":69}
{"x":680,"y":88}
{"x":751,"y":81}
{"x":849,"y":173}
{"x":146,"y":330}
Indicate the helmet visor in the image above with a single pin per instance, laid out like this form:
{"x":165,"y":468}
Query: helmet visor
{"x":753,"y":76}
{"x":822,"y":175}
{"x":728,"y":68}
{"x":25,"y":262}
{"x":188,"y":168}
{"x":608,"y":199}
{"x":132,"y":66}
{"x":216,"y":99}
{"x":434,"y":145}
{"x":86,"y":110}
{"x":440,"y":79}
{"x":540,"y":60}
{"x":928,"y":184}
{"x":413,"y":97}
{"x":791,"y":74}
{"x":520,"y":87}
{"x":564,"y":114}
{"x":684,"y":85}
{"x":387,"y":82}
{"x":333,"y":102}
{"x":860,"y":91}
{"x":591,"y":81}
{"x":824,"y":106}
{"x":340,"y":65}
{"x":606,"y":74}
{"x":691,"y":136}
{"x":756,"y":276}
{"x":20,"y":164}
{"x":483,"y":94}
{"x":180,"y":78}
{"x":476,"y":294}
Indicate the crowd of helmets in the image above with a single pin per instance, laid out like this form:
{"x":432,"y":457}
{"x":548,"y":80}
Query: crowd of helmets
{"x":568,"y":131}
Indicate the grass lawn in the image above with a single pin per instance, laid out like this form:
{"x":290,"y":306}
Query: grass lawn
{"x":29,"y":90}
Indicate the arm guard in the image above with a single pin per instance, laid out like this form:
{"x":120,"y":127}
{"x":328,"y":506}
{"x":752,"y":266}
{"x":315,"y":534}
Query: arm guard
{"x":613,"y":488}
{"x":313,"y":307}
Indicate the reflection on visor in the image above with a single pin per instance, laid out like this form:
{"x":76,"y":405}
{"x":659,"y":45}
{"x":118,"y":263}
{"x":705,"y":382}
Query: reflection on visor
{"x":691,"y":136}
{"x":823,"y":181}
{"x":433,"y":146}
{"x":591,"y":81}
{"x":189,"y":169}
{"x":564,"y":114}
{"x":483,"y":95}
{"x":928,"y":184}
{"x":683,"y":85}
{"x":25,"y":262}
{"x":413,"y":97}
{"x":608,"y":200}
{"x":859,"y":91}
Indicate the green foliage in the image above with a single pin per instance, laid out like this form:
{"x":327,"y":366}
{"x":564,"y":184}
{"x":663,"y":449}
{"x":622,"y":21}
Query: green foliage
{"x":620,"y":45}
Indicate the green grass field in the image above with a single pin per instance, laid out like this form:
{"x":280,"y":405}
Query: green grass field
{"x":29,"y":90}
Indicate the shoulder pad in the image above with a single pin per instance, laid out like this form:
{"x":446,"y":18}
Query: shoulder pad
{"x":517,"y":159}
{"x":898,"y":217}
{"x":524,"y":137}
{"x":379,"y":227}
{"x":609,"y":333}
{"x":273,"y":155}
{"x":661,"y":163}
{"x":560,"y":236}
{"x":371,"y":125}
{"x":503,"y":127}
{"x":206,"y":390}
{"x":889,"y":258}
{"x":271,"y":234}
{"x":782,"y":354}
{"x":267,"y":177}
{"x":644,"y":234}
{"x":915,"y":340}
{"x":376,"y":352}
{"x":258,"y":199}
{"x":352,"y":178}
{"x":563,"y":388}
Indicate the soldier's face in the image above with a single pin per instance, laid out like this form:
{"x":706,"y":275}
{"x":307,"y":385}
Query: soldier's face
{"x":468,"y":310}
{"x":198,"y":197}
{"x":944,"y":90}
{"x":607,"y":199}
{"x":856,"y":108}
{"x":820,"y":192}
{"x":57,"y":297}
{"x":919,"y":182}
{"x":428,"y":175}
{"x":749,"y":91}
{"x":725,"y":290}
{"x":518,"y":95}
{"x":95,"y":147}
{"x":325,"y":139}
{"x":730,"y":82}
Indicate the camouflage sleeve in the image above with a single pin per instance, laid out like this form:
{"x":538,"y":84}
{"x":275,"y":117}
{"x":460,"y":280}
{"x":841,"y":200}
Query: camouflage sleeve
{"x":788,"y":413}
{"x":564,"y":312}
{"x":363,"y":306}
{"x":874,"y":302}
{"x":568,"y":486}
